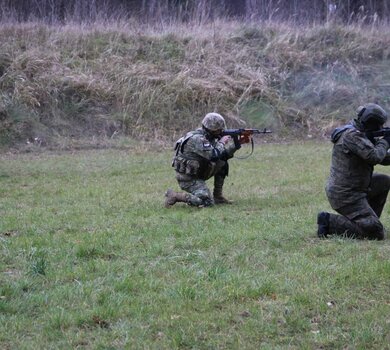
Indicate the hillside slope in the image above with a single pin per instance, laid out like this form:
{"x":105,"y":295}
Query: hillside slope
{"x":69,"y":84}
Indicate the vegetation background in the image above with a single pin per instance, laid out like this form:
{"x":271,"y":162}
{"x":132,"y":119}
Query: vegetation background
{"x":90,"y":258}
{"x":78,"y":74}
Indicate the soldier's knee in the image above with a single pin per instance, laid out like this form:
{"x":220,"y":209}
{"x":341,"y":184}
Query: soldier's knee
{"x":387,"y":181}
{"x":382,"y":181}
{"x":195,"y":201}
{"x":203,"y":198}
{"x":207,"y":200}
{"x":201,"y":202}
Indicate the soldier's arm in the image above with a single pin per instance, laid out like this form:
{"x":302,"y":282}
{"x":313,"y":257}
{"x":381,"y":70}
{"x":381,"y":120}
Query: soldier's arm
{"x":203,"y":148}
{"x":357,"y":143}
{"x":386,"y":160}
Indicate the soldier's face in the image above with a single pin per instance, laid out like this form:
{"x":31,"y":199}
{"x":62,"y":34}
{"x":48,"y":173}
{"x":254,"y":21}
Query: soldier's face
{"x":372,"y":126}
{"x":216,"y":133}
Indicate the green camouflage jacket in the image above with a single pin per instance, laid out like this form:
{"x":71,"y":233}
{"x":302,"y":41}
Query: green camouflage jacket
{"x":196,"y":155}
{"x":353,"y":160}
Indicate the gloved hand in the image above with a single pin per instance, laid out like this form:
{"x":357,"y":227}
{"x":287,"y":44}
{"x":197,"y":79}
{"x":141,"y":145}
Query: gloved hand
{"x":372,"y":140}
{"x":244,"y":139}
{"x":225,"y":139}
{"x":387,"y":138}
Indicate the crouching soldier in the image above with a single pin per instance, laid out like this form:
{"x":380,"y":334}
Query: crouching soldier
{"x":200,"y":155}
{"x":353,"y":190}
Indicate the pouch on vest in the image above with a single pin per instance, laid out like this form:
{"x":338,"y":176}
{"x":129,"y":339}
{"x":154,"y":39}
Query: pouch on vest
{"x":192,"y":167}
{"x":179,"y":163}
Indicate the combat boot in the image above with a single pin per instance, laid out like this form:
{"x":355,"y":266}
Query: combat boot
{"x":172,"y":197}
{"x":219,"y":198}
{"x":323,"y":224}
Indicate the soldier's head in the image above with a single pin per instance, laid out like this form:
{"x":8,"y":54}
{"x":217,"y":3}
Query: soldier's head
{"x":213,"y":123}
{"x":371,"y":117}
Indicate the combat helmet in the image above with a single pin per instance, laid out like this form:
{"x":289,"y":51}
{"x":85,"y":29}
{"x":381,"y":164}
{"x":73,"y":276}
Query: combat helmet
{"x":213,"y":122}
{"x":370,"y":114}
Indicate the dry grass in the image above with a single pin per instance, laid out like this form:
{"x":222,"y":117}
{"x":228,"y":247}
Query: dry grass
{"x":103,"y":81}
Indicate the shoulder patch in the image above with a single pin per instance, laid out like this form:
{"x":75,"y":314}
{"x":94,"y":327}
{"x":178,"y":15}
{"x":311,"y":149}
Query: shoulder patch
{"x":205,"y":143}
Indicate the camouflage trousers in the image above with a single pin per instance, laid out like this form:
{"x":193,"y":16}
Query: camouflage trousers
{"x":199,"y":193}
{"x":361,"y":219}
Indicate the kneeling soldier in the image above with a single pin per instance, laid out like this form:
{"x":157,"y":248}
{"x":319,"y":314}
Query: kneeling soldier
{"x":200,"y":155}
{"x":353,"y":190}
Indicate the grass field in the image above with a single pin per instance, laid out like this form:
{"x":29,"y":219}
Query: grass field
{"x":91,"y":259}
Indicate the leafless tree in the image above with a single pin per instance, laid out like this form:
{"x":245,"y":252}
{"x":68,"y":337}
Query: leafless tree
{"x":202,"y":10}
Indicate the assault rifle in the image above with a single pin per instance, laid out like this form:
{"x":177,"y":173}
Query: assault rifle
{"x":245,"y":135}
{"x":379,"y":133}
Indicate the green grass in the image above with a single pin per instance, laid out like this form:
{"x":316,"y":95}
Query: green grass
{"x":90,"y":258}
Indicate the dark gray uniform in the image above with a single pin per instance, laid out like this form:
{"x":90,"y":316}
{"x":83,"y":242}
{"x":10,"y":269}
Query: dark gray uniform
{"x":352,"y":188}
{"x":196,"y":160}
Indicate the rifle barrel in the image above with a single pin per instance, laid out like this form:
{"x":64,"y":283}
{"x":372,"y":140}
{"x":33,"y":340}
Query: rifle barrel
{"x":246,"y":131}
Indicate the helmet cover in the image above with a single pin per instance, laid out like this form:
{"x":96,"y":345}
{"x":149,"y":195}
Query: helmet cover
{"x":214,"y":122}
{"x":371,"y":113}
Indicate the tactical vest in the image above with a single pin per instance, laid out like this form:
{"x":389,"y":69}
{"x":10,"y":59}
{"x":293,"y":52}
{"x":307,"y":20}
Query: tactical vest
{"x":187,"y":165}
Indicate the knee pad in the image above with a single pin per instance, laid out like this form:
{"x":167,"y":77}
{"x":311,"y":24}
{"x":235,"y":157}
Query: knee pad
{"x":205,"y":198}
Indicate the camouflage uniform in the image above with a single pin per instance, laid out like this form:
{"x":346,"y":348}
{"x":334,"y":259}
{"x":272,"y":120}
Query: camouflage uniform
{"x":352,"y":188}
{"x":199,"y":157}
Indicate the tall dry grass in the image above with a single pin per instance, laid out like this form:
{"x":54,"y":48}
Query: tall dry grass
{"x":154,"y":82}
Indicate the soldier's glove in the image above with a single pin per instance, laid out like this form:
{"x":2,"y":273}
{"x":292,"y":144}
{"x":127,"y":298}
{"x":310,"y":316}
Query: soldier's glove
{"x":371,"y":138}
{"x":225,"y":139}
{"x":387,"y":138}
